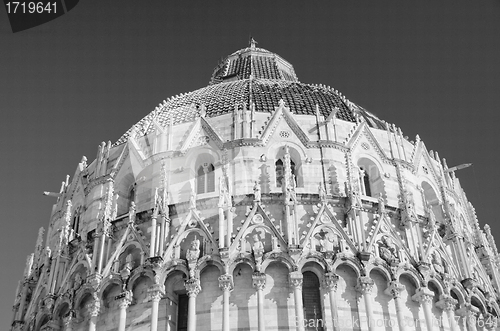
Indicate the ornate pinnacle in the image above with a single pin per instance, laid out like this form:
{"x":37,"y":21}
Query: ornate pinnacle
{"x":163,"y":175}
{"x":39,"y":245}
{"x":108,"y":207}
{"x":67,"y":223}
{"x":29,"y":265}
{"x":491,"y":239}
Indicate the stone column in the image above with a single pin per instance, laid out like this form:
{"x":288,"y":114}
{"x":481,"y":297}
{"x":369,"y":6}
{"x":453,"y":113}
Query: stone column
{"x":193,"y":287}
{"x":472,"y":319}
{"x":162,"y":235}
{"x":152,"y":243}
{"x":222,"y":230}
{"x":424,"y":296}
{"x":93,"y":310}
{"x":447,"y":304}
{"x":259,"y":282}
{"x":229,"y":230}
{"x":68,"y":321}
{"x":95,"y":251}
{"x":470,"y":313}
{"x":365,"y":286}
{"x":394,"y":289}
{"x":331,"y":280}
{"x":155,"y":293}
{"x":103,"y":236}
{"x":124,"y":299}
{"x":296,"y":278}
{"x":226,"y":284}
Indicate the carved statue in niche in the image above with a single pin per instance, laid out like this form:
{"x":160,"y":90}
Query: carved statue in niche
{"x":328,"y":241}
{"x":388,"y":251}
{"x":193,"y":253}
{"x":129,"y":262}
{"x":257,"y":248}
{"x":77,"y":282}
{"x":437,"y":263}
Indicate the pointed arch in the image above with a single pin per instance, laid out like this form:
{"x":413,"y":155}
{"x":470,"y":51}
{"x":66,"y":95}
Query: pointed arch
{"x":370,"y":179}
{"x":295,"y":166}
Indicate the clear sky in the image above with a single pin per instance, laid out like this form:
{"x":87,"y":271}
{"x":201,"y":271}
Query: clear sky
{"x":430,"y":67}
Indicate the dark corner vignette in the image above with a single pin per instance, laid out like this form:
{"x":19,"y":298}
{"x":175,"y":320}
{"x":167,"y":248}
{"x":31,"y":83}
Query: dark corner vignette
{"x":25,"y":15}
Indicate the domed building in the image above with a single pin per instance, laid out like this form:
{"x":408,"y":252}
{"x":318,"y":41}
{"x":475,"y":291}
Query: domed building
{"x":261,"y":203}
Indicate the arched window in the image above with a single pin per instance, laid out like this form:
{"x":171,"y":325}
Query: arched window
{"x":370,"y":180}
{"x":131,"y":195}
{"x":205,"y":178}
{"x":76,"y":221}
{"x":365,"y":182}
{"x":311,"y":298}
{"x":280,"y":172}
{"x":182,"y":312}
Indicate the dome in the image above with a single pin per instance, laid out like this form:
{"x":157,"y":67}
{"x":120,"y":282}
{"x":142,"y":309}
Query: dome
{"x":260,"y":202}
{"x":253,"y":62}
{"x":255,"y":76}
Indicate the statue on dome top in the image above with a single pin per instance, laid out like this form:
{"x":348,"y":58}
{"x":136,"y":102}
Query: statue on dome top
{"x":192,"y":201}
{"x":321,"y":192}
{"x":256,"y":192}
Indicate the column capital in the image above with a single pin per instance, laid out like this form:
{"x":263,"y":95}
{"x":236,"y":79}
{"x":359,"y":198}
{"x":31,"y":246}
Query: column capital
{"x":155,"y":292}
{"x":365,"y":284}
{"x":446,"y":302}
{"x":394,"y":289}
{"x":296,"y":278}
{"x":193,"y":287}
{"x":93,"y":308}
{"x":330,"y":281}
{"x":68,"y":319}
{"x":226,"y":282}
{"x":94,"y":280}
{"x":259,"y":280}
{"x":124,"y":299}
{"x":423,"y":295}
